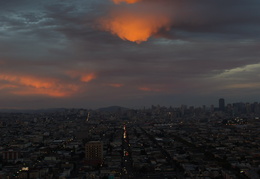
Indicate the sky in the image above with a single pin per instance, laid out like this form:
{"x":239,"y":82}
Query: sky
{"x":132,"y":53}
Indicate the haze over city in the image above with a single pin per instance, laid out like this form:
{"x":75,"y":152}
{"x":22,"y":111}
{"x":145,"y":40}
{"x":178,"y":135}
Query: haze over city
{"x":130,"y":53}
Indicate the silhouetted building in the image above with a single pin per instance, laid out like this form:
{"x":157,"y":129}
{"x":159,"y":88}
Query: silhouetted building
{"x":11,"y":155}
{"x":221,"y":104}
{"x":94,"y":152}
{"x":212,"y":109}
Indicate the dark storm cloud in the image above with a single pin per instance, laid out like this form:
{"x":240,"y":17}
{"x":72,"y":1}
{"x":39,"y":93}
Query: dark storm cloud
{"x":223,"y":17}
{"x":234,"y":19}
{"x":190,"y":19}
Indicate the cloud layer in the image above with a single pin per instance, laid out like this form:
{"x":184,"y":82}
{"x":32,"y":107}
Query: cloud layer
{"x":93,"y":53}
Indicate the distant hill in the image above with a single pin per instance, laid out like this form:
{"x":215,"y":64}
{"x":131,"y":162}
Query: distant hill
{"x":112,"y":109}
{"x":51,"y":110}
{"x":32,"y":110}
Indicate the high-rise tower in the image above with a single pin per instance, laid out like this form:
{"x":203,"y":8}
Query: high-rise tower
{"x":221,"y":104}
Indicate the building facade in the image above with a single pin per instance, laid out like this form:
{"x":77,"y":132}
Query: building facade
{"x":94,"y":152}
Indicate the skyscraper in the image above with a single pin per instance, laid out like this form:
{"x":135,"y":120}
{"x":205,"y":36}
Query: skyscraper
{"x":221,"y":104}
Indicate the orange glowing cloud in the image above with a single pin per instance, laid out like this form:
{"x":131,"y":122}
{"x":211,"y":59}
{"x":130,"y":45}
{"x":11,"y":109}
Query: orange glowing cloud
{"x":149,"y":89}
{"x":116,"y":85}
{"x":88,"y":77}
{"x":127,"y":1}
{"x":52,"y":92}
{"x":145,"y":89}
{"x":135,"y":27}
{"x":29,"y":85}
{"x":83,"y":77}
{"x":27,"y":81}
{"x":7,"y":86}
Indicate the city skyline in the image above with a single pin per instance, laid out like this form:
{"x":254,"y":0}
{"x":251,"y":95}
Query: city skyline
{"x":91,"y":54}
